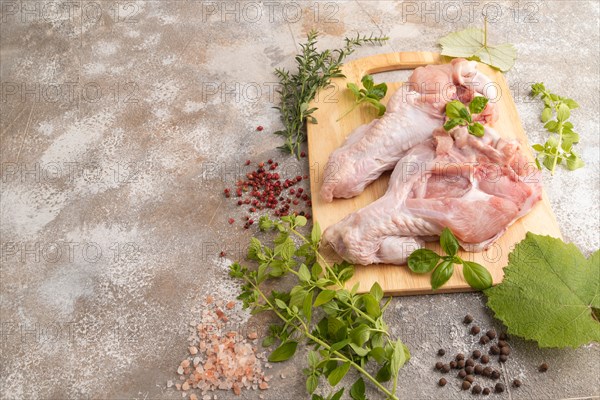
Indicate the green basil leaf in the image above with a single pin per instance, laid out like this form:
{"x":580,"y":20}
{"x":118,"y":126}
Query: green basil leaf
{"x":552,"y":126}
{"x":357,"y":391}
{"x":563,"y":113}
{"x":448,"y":242}
{"x":312,"y":382}
{"x":354,"y":88}
{"x":281,"y":304}
{"x":376,"y":291}
{"x":378,"y":354}
{"x":360,"y":351}
{"x":384,"y":374}
{"x":441,"y":274}
{"x":313,"y":359}
{"x":398,"y":357}
{"x":337,"y":395}
{"x":324,"y":297}
{"x":422,"y":261}
{"x":338,"y":374}
{"x":574,"y":162}
{"x":464,"y":113}
{"x":476,"y":275}
{"x":307,"y":306}
{"x":367,"y":82}
{"x":371,"y":305}
{"x":304,"y":273}
{"x":571,"y":103}
{"x":283,"y":352}
{"x":476,"y":129}
{"x":360,"y":334}
{"x":453,"y":109}
{"x":546,"y":114}
{"x":300,"y":220}
{"x":452,"y":123}
{"x":478,"y":104}
{"x":315,"y":234}
{"x":339,"y":345}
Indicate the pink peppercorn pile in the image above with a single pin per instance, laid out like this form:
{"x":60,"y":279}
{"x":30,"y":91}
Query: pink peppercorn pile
{"x":265,"y":189}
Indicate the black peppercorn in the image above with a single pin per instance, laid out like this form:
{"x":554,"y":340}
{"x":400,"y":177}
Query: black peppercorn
{"x":505,"y":350}
{"x":442,"y":382}
{"x":495,"y":350}
{"x":484,"y":340}
{"x":453,"y":364}
{"x":460,"y":356}
{"x":441,"y":352}
{"x":487,"y":371}
{"x":469,"y":362}
{"x":469,"y":378}
{"x":502,"y":343}
{"x":517,"y":383}
{"x":462,"y":373}
{"x":486,"y":391}
{"x":485,"y":359}
{"x":469,"y":369}
{"x":476,"y":354}
{"x":445,"y":368}
{"x":466,"y":385}
{"x":439,"y":365}
{"x":503,"y":336}
{"x":468,"y":319}
{"x":476,"y":389}
{"x":503,"y":358}
{"x":475,"y":330}
{"x":499,"y":387}
{"x":478,"y":369}
{"x":543,"y":367}
{"x":495,"y":374}
{"x":460,"y":364}
{"x":491,"y":334}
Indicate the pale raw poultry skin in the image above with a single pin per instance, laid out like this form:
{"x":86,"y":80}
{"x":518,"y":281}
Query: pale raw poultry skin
{"x":477,"y":187}
{"x":413,"y":112}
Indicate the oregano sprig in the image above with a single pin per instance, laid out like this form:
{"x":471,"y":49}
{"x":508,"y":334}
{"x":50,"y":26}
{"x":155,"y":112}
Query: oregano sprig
{"x":345,"y":329}
{"x":423,"y":261}
{"x":558,"y":149}
{"x":315,"y":69}
{"x":459,"y":114}
{"x":370,"y":94}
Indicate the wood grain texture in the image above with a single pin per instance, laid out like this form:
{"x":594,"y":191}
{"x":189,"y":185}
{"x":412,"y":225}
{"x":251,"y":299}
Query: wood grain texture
{"x":328,"y":135}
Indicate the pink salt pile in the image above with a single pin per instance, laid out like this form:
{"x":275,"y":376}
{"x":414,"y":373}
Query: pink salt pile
{"x":220,"y":358}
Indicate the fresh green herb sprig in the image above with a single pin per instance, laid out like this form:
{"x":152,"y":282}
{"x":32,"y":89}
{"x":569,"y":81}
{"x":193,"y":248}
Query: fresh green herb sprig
{"x":423,"y":261}
{"x":459,"y":114}
{"x":346,"y":329}
{"x":371,"y":94}
{"x":315,"y":69}
{"x":558,"y":149}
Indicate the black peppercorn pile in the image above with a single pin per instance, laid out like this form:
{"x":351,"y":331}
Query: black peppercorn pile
{"x":474,"y":372}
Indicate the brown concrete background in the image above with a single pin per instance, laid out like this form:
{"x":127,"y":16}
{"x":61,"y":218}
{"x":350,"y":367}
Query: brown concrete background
{"x":121,"y":123}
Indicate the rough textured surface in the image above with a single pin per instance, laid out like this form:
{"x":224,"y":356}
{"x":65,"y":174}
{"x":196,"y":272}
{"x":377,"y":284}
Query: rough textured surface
{"x":121,"y":125}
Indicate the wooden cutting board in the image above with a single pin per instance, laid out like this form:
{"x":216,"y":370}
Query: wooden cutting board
{"x":328,"y":135}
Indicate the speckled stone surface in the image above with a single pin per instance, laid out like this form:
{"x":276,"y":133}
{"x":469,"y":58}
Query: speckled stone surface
{"x":121,"y":123}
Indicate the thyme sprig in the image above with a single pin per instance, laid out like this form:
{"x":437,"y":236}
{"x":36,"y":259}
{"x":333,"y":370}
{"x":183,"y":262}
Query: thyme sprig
{"x":315,"y":69}
{"x":345,"y":329}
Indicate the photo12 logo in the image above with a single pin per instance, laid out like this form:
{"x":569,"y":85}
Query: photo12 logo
{"x":469,"y":11}
{"x":271,"y":11}
{"x":74,"y":12}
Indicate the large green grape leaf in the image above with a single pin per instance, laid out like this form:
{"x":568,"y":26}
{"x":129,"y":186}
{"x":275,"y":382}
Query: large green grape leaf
{"x":550,"y":293}
{"x":471,"y":43}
